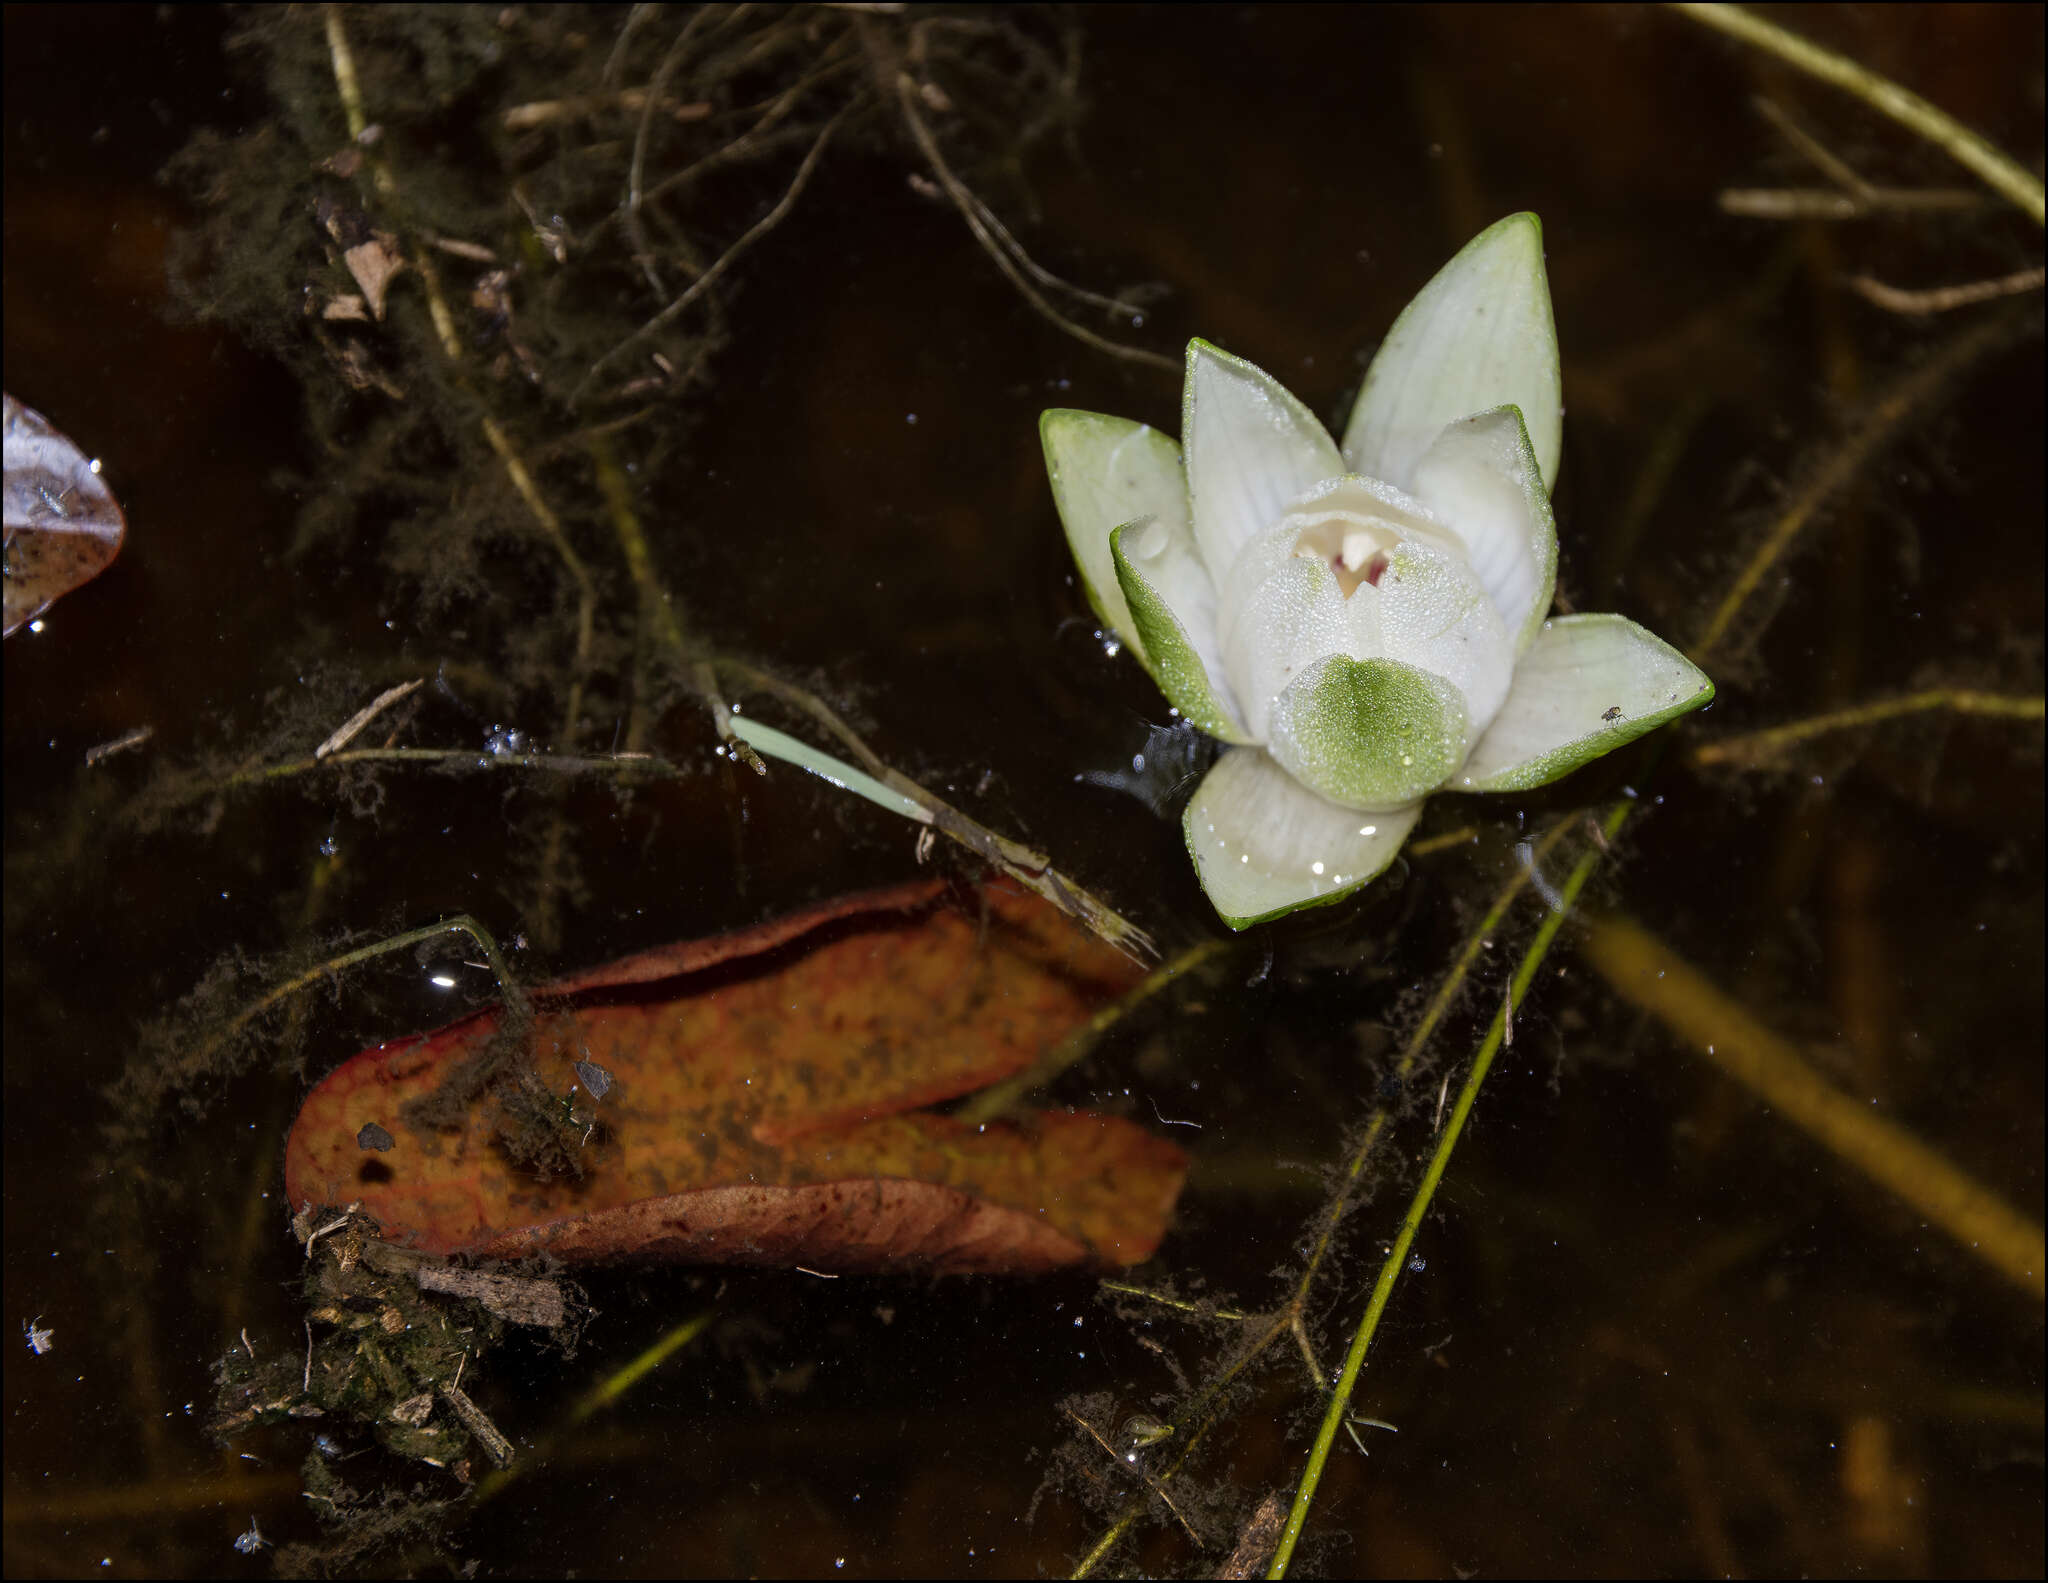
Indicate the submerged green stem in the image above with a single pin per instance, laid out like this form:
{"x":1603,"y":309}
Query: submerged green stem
{"x":1397,"y":1256}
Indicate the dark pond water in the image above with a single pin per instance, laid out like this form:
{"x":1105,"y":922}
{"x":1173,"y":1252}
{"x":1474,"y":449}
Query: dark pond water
{"x":1652,"y":1328}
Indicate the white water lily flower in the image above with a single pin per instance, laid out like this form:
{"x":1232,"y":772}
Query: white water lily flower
{"x":1364,"y":625}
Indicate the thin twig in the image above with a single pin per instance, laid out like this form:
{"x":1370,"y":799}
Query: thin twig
{"x":350,"y":728}
{"x":1873,"y":428}
{"x":125,"y":742}
{"x":1853,"y":197}
{"x":969,"y":205}
{"x":462,"y":923}
{"x":1178,"y":1304}
{"x":658,"y":611}
{"x":1998,"y":171}
{"x":544,"y":112}
{"x":1156,"y":1486}
{"x":643,"y":251}
{"x":467,"y":758}
{"x":756,"y":138}
{"x":1757,"y":748}
{"x":1823,"y":158}
{"x":1942,"y":299}
{"x":586,"y":585}
{"x":1038,"y":271}
{"x":724,"y":261}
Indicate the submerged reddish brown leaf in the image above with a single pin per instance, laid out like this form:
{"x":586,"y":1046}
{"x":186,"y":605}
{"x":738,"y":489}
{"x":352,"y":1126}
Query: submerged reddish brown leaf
{"x":63,"y":525}
{"x":763,"y":1105}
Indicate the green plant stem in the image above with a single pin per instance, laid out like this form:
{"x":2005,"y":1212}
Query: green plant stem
{"x":1425,"y":1193}
{"x":1193,"y":1422}
{"x":603,"y":1394}
{"x":1978,"y":155}
{"x":1439,"y":1007}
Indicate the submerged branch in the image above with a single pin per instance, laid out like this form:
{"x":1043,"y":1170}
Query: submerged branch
{"x":971,"y":209}
{"x":223,"y":1033}
{"x":1990,"y":164}
{"x":1944,"y":299}
{"x":1757,"y":749}
{"x":1873,"y":428}
{"x":473,"y":758}
{"x":760,"y":228}
{"x":1851,"y":198}
{"x":636,"y":232}
{"x":1654,"y":977}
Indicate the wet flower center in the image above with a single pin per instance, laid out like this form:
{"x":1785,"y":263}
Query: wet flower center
{"x":1355,"y":547}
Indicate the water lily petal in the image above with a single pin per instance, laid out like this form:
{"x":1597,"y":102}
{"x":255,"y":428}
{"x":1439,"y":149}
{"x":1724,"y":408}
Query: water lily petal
{"x":1173,"y":604}
{"x":1293,"y":616}
{"x":1265,"y":845}
{"x":1587,"y":685}
{"x":1251,"y":448}
{"x":1480,"y":476}
{"x":1478,"y":336}
{"x":1435,"y":615}
{"x":1368,"y":734}
{"x":1107,"y":471}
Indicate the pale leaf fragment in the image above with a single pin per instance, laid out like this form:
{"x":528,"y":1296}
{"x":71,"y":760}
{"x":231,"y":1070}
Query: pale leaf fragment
{"x":63,"y":524}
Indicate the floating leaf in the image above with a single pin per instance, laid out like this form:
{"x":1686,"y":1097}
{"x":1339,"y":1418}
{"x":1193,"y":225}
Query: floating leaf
{"x":763,"y":1105}
{"x":63,"y":524}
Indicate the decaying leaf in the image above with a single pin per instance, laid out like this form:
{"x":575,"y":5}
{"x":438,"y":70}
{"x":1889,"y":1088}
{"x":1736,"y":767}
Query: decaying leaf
{"x":62,"y":522}
{"x":763,"y":1103}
